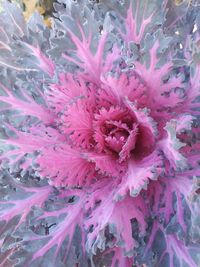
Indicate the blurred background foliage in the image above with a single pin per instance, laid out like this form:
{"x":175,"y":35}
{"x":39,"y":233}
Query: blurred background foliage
{"x":44,"y":7}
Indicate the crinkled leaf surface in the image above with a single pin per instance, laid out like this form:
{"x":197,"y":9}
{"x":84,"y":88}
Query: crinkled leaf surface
{"x":99,"y":135}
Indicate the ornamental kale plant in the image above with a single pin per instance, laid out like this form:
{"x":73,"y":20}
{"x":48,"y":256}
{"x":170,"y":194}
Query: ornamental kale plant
{"x":100,"y":135}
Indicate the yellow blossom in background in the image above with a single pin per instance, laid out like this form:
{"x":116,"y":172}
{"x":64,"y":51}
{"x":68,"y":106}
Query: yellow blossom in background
{"x":44,"y":7}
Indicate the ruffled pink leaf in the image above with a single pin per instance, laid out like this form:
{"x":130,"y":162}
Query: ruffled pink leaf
{"x":113,"y":132}
{"x":167,"y":248}
{"x":55,"y":156}
{"x":124,"y":85}
{"x":52,"y":244}
{"x":142,"y":116}
{"x":28,"y":142}
{"x":134,"y":28}
{"x":139,"y":174}
{"x":22,"y":207}
{"x":66,"y":228}
{"x":77,"y":123}
{"x":165,"y":191}
{"x":147,"y":128}
{"x":171,"y":146}
{"x":182,"y":251}
{"x":129,"y":145}
{"x":67,"y":89}
{"x":65,"y":166}
{"x":105,"y":116}
{"x":106,"y":165}
{"x":120,"y":259}
{"x":90,"y":62}
{"x":116,"y":215}
{"x":121,"y":217}
{"x":43,"y":62}
{"x":26,"y":106}
{"x":184,"y":122}
{"x":160,"y":95}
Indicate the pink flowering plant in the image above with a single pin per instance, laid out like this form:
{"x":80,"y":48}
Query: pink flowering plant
{"x":99,"y":135}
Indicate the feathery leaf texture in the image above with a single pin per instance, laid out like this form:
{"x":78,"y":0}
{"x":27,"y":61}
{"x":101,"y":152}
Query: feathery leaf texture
{"x":99,"y":135}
